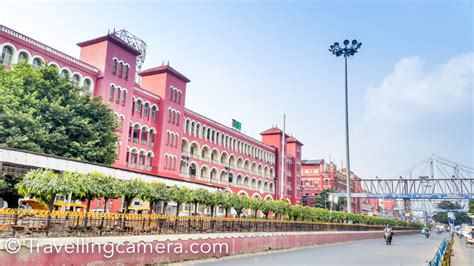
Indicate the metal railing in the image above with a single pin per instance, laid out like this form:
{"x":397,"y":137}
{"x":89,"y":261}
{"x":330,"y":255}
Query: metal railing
{"x":35,"y":223}
{"x":443,"y":254}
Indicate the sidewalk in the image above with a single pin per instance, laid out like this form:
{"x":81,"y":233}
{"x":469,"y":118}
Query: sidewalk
{"x":463,"y":256}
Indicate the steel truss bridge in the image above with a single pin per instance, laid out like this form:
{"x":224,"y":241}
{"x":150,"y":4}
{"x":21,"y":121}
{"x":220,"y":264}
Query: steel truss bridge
{"x":422,"y":185}
{"x":429,"y":189}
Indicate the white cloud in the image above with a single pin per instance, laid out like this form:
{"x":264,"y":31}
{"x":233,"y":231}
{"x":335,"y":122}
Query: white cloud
{"x":411,"y":90}
{"x":416,"y":111}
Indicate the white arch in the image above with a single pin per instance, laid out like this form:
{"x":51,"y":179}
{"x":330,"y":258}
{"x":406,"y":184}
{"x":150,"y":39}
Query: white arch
{"x":55,"y":64}
{"x":38,"y":56}
{"x":243,"y":192}
{"x":80,"y":77}
{"x":268,"y":197}
{"x":90,"y":80}
{"x":67,"y":69}
{"x":30,"y":58}
{"x":14,"y":52}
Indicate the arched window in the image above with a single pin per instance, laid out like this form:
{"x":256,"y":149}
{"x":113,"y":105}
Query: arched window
{"x":120,"y":69}
{"x":76,"y":79}
{"x":146,"y":110}
{"x":117,"y":98}
{"x":168,"y":138}
{"x":127,"y":69}
{"x":87,"y":85}
{"x":22,"y":56}
{"x":114,"y":69}
{"x":124,"y":96}
{"x":153,"y":112}
{"x":179,"y":97}
{"x":133,"y":158}
{"x":171,"y":93}
{"x":37,"y":62}
{"x":177,"y":119}
{"x":144,"y":136}
{"x":138,"y":107}
{"x":151,"y":139}
{"x":111,"y":93}
{"x":65,"y":73}
{"x":141,"y":160}
{"x":7,"y":54}
{"x":169,"y":115}
{"x":120,"y":123}
{"x":136,"y":133}
{"x":149,"y":157}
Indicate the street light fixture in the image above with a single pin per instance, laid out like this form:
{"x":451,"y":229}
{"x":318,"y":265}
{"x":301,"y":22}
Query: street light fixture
{"x":346,"y":51}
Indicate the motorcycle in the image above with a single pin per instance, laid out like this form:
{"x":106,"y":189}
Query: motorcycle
{"x":388,"y":238}
{"x":427,"y":234}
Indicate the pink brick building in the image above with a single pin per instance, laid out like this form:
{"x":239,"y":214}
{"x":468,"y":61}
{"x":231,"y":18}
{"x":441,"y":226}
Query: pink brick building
{"x":158,"y":134}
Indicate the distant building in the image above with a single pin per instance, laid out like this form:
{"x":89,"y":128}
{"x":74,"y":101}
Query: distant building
{"x":317,"y":175}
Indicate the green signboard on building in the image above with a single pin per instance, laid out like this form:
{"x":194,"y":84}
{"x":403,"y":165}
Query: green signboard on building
{"x":236,"y":124}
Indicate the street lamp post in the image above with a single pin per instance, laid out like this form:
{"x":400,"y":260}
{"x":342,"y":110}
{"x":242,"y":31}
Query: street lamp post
{"x":346,"y":51}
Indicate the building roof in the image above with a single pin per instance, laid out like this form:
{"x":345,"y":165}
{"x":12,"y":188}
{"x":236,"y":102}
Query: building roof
{"x":163,"y":69}
{"x":312,"y":162}
{"x":271,"y":131}
{"x":292,"y":139}
{"x":112,"y":38}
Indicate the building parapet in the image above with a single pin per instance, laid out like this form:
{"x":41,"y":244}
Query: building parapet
{"x":47,"y":48}
{"x":240,"y":134}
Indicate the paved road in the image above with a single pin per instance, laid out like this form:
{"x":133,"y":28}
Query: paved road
{"x":463,"y":255}
{"x":405,"y":250}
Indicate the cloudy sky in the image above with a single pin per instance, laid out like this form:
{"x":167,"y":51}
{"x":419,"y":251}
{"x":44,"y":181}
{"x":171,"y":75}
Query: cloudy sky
{"x":411,"y":85}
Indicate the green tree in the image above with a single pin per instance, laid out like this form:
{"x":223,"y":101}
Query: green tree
{"x":130,"y":189}
{"x":255,"y":205}
{"x":461,"y":218}
{"x":198,"y":196}
{"x":45,"y":184}
{"x":225,"y":200}
{"x":213,"y":200}
{"x":322,"y":200}
{"x":43,"y":112}
{"x":282,"y":208}
{"x":268,"y":206}
{"x":89,"y":186}
{"x":180,"y":195}
{"x":471,"y":207}
{"x":296,"y":211}
{"x":110,"y":189}
{"x":448,"y":205}
{"x":238,"y":203}
{"x":157,"y":192}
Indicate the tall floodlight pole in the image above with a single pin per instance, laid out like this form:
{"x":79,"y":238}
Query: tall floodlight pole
{"x":346,"y":51}
{"x":283,"y":160}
